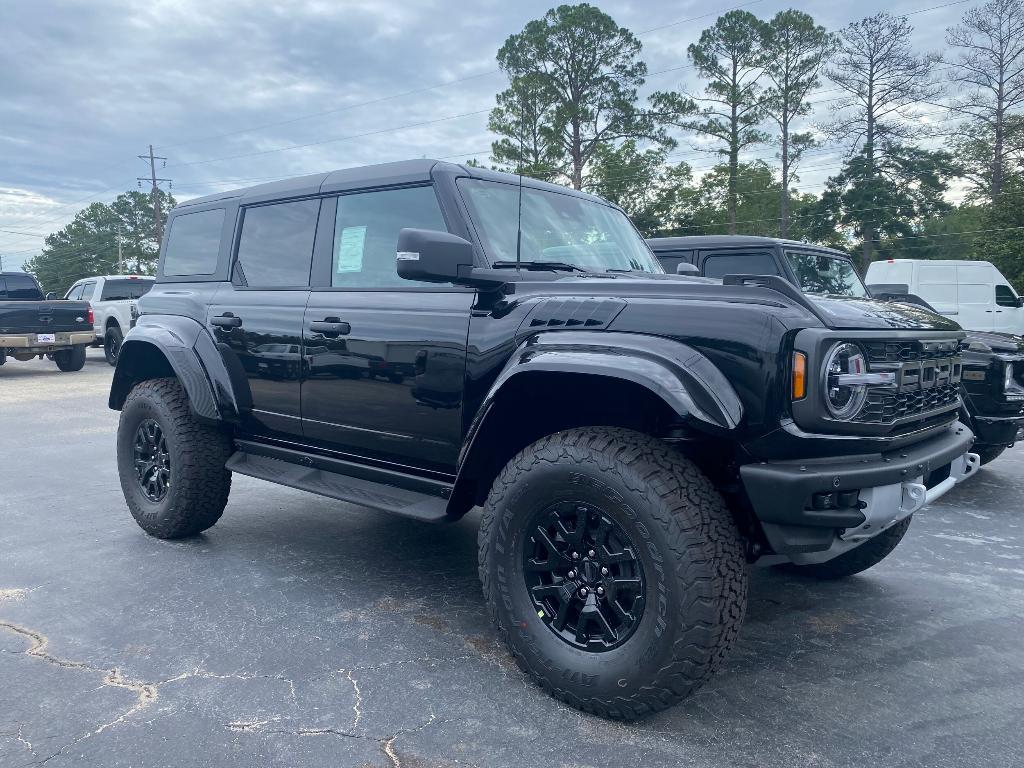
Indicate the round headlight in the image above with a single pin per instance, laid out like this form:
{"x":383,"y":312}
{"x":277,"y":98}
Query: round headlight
{"x":844,"y":401}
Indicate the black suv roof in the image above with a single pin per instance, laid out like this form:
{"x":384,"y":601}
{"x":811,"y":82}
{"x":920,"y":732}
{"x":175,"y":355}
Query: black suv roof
{"x":383,"y":174}
{"x":717,"y":241}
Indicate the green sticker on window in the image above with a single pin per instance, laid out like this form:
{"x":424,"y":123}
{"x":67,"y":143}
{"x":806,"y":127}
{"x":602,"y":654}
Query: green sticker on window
{"x":350,"y":251}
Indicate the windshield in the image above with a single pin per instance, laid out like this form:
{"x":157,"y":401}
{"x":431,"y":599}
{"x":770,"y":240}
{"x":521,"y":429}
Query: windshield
{"x":818,"y":273}
{"x":555,"y":228}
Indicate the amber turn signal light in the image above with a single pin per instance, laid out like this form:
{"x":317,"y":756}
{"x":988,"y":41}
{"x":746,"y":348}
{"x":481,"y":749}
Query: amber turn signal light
{"x":799,"y":376}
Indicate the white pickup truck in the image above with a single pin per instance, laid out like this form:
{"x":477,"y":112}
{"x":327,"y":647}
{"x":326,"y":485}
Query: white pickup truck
{"x":113,"y":300}
{"x":973,"y":293}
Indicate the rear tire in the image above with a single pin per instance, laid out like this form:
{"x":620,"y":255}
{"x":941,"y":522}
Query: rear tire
{"x":70,"y":360}
{"x":870,"y":553}
{"x":112,"y":344}
{"x":171,"y":465}
{"x":650,"y":518}
{"x":990,"y":453}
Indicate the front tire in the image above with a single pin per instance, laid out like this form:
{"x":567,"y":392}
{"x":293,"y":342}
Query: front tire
{"x":171,"y":465}
{"x":112,"y":344}
{"x":70,"y":360}
{"x":860,"y":558}
{"x":990,"y":453}
{"x":610,"y":529}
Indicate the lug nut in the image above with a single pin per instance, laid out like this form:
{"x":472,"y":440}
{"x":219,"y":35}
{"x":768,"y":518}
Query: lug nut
{"x":600,"y":590}
{"x":583,"y":591}
{"x":604,"y":570}
{"x":575,"y":555}
{"x":591,"y":553}
{"x":571,"y":574}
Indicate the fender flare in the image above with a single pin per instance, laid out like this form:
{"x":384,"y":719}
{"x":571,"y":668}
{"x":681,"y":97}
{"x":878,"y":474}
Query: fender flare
{"x":215,"y":393}
{"x":686,"y":380}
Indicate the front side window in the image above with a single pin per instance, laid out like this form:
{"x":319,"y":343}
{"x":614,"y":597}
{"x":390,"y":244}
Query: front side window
{"x":123,"y":290}
{"x":366,"y":231}
{"x":720,"y":265}
{"x":819,"y":273}
{"x":276,"y":246}
{"x":554,"y":227}
{"x":1005,"y":297}
{"x":74,"y":294}
{"x":193,"y":243}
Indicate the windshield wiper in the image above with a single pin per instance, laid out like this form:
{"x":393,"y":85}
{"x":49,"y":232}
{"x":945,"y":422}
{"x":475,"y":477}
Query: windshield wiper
{"x":554,"y":266}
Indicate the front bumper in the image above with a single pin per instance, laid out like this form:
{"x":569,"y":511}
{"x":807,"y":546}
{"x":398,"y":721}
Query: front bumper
{"x":30,"y":341}
{"x":998,"y":430}
{"x":796,"y":501}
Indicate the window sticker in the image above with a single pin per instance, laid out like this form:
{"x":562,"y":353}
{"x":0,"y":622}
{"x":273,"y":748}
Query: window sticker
{"x":350,"y":252}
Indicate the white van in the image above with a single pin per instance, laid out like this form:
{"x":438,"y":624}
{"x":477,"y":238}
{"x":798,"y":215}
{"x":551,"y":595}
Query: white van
{"x":974,"y":293}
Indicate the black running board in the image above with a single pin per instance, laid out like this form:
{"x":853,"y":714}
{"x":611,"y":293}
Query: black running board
{"x":430,"y":504}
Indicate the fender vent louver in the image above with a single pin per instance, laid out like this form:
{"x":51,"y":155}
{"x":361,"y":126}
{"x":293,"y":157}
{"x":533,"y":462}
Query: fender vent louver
{"x":575,"y":313}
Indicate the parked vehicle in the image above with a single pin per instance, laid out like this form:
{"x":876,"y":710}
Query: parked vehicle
{"x":113,"y":299}
{"x":32,"y":325}
{"x":992,"y":387}
{"x":974,"y":293}
{"x":634,"y":438}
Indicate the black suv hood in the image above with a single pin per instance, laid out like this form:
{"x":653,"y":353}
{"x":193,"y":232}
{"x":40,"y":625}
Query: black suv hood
{"x":849,"y":312}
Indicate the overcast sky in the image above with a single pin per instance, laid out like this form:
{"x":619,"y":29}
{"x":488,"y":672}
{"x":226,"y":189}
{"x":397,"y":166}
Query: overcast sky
{"x":234,"y":93}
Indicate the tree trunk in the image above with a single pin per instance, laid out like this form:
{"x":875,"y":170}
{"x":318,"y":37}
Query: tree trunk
{"x":577,"y":157}
{"x":997,"y":154}
{"x":784,"y":198}
{"x":734,"y":161}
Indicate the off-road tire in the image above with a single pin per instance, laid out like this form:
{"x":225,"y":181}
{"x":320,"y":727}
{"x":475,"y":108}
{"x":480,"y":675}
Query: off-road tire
{"x":990,"y":452}
{"x":70,"y":360}
{"x":870,"y":553}
{"x":199,"y":483}
{"x":112,"y":340}
{"x":690,"y":549}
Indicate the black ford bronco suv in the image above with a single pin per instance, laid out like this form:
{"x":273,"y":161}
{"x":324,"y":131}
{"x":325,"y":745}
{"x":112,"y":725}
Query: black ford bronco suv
{"x":992,"y":384}
{"x":422,"y":338}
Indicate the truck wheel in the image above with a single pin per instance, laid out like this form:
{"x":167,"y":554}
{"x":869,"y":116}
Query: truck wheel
{"x":112,"y":344}
{"x":613,"y":570}
{"x":990,"y":452}
{"x":69,"y":360}
{"x":171,"y":465}
{"x":871,"y":552}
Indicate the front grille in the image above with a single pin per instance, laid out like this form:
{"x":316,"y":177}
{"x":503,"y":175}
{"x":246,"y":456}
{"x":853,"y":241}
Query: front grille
{"x":927,"y":379}
{"x":886,"y":406}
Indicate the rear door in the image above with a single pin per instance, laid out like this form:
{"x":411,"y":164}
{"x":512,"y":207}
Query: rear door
{"x":385,"y":357}
{"x":975,"y":295}
{"x":256,"y":320}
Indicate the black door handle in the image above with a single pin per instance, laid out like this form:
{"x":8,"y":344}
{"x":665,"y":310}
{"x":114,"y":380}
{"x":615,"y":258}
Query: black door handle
{"x":227,"y":320}
{"x":330,"y":326}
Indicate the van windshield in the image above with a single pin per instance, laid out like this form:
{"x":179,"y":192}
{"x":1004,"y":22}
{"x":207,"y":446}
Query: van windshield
{"x":556,"y":228}
{"x":819,"y":273}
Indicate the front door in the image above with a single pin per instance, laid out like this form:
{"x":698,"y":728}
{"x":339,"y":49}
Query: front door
{"x":385,"y":357}
{"x":257,"y":320}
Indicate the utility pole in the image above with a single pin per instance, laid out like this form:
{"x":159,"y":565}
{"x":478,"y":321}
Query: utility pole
{"x":155,"y":192}
{"x":120,"y":258}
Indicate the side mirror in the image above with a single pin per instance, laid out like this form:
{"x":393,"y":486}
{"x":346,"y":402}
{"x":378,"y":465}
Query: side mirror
{"x":432,"y":256}
{"x":50,"y":296}
{"x":686,"y":268}
{"x":1020,"y":301}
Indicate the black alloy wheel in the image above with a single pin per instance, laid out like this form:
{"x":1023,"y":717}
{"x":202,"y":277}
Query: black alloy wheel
{"x":152,"y":460}
{"x":584,"y":576}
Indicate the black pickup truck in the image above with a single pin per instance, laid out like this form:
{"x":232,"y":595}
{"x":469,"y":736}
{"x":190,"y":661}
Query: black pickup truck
{"x":992,"y":385}
{"x":34,"y":326}
{"x":423,"y":338}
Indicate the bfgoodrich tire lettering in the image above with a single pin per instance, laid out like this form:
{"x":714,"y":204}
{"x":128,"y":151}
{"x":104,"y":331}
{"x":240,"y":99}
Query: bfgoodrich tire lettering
{"x":198,"y":486}
{"x":691,"y":553}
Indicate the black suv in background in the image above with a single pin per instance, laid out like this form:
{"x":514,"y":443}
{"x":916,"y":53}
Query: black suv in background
{"x":992,"y":386}
{"x":422,"y":338}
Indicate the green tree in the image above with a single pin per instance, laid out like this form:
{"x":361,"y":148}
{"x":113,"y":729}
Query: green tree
{"x":883,"y":79}
{"x":730,"y":55}
{"x":89,"y":244}
{"x":796,"y":49}
{"x":653,"y":194}
{"x":886,"y":195}
{"x":574,"y":76}
{"x":1001,"y":239}
{"x":989,"y":71}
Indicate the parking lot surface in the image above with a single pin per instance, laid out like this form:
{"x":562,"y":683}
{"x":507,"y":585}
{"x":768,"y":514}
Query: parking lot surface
{"x":300,"y":631}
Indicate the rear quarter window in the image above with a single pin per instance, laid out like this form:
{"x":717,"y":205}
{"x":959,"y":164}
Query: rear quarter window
{"x":123,"y":290}
{"x":193,"y":244}
{"x":20,"y":288}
